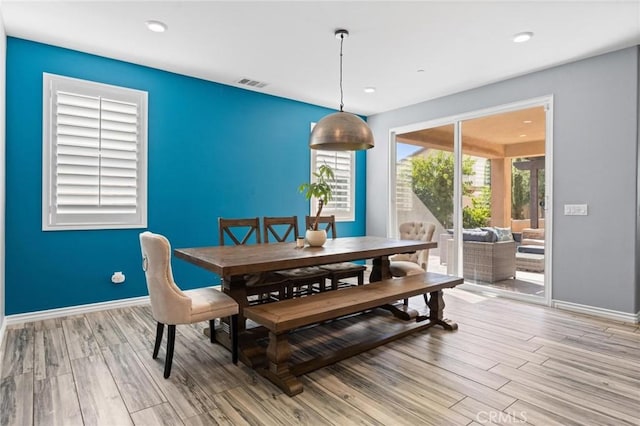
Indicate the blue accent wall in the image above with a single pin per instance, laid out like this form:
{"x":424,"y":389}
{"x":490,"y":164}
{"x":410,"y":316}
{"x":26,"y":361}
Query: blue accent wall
{"x":214,"y":150}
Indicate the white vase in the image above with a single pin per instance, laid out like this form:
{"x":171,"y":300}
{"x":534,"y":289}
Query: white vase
{"x":316,"y":238}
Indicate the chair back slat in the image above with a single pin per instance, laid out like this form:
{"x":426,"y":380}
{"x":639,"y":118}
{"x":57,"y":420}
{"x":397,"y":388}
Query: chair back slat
{"x":280,"y":228}
{"x":239,"y":231}
{"x":328,"y":223}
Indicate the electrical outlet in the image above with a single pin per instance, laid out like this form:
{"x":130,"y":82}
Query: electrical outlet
{"x":117,"y":277}
{"x":576,"y":210}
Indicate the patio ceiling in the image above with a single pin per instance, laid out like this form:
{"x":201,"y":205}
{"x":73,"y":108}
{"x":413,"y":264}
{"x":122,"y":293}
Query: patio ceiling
{"x":512,"y":134}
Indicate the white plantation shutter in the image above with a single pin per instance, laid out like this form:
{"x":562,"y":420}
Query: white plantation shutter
{"x":343,"y":165}
{"x":94,"y":155}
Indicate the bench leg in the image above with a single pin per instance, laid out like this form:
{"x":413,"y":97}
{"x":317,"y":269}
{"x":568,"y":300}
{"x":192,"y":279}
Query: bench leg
{"x":436,"y":311}
{"x":278,"y":354}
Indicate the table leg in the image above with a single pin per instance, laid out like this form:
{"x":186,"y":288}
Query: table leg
{"x":380,"y":270}
{"x":436,"y":311}
{"x":248,"y":351}
{"x":278,"y":370}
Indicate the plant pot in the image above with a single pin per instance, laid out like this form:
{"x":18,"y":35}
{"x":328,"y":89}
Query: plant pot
{"x":316,"y":238}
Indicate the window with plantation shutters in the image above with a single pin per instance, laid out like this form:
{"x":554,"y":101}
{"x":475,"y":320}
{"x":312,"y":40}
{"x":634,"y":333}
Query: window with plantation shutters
{"x":94,"y":155}
{"x":343,"y":165}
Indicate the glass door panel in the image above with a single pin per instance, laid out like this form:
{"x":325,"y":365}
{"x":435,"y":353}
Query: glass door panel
{"x":425,"y":188}
{"x":503,"y":200}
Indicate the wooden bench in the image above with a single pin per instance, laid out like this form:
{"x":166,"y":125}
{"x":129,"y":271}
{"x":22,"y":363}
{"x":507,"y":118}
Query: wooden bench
{"x":281,"y":317}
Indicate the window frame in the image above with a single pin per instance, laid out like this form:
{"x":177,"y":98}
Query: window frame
{"x":51,"y":219}
{"x":340,"y":215}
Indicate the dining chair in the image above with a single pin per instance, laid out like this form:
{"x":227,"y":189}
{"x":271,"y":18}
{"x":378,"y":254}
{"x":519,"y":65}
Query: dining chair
{"x":402,"y":265}
{"x":301,"y":280}
{"x":264,"y":287}
{"x":172,"y":306}
{"x":342,"y":270}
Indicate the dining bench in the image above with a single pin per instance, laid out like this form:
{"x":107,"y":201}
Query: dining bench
{"x":284,"y":316}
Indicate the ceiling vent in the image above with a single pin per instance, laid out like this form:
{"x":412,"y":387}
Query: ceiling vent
{"x":251,"y":83}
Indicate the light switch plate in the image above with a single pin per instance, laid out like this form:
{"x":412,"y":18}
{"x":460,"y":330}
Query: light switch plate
{"x":576,"y":210}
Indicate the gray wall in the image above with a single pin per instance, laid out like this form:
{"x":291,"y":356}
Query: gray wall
{"x":595,"y":141}
{"x":638,"y":189}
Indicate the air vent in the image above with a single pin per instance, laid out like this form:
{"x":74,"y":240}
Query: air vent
{"x":251,"y":83}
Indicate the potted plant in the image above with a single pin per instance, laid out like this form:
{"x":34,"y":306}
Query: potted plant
{"x":321,"y":190}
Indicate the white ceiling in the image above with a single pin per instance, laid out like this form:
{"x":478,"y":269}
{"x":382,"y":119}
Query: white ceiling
{"x":291,"y":46}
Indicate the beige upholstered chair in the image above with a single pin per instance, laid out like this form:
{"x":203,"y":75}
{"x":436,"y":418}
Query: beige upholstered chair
{"x":412,"y":263}
{"x":170,"y":305}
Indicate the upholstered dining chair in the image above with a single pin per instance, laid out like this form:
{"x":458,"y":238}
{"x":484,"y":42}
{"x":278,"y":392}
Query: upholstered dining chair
{"x":342,"y":270}
{"x":412,"y":263}
{"x":264,"y":287}
{"x":301,"y":280}
{"x":172,"y":306}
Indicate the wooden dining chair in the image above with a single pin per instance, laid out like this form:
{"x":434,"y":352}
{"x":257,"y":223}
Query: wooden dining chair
{"x":301,"y":280}
{"x":342,"y":270}
{"x":172,"y":306}
{"x":263,"y":287}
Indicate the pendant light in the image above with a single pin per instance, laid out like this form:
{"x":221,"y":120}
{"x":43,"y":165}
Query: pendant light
{"x":341,"y":131}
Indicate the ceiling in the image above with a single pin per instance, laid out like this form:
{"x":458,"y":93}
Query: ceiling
{"x":409,"y":51}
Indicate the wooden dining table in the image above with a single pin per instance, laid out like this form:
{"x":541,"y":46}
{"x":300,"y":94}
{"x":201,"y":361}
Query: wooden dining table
{"x":234,"y":263}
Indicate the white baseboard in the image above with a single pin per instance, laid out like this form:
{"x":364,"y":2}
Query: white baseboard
{"x":73,"y":310}
{"x":3,"y":327}
{"x":598,"y":312}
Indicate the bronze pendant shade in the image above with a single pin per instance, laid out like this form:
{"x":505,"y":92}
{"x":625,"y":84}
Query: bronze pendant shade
{"x":341,"y":131}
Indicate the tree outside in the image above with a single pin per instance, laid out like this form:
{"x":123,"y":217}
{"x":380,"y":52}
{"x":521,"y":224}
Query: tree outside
{"x":479,"y":213}
{"x":432,"y":182}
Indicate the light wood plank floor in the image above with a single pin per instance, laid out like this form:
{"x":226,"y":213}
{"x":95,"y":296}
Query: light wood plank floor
{"x":509,"y":363}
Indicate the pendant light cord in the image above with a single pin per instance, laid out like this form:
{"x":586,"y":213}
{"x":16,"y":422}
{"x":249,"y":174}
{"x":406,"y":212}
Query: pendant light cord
{"x":341,"y":91}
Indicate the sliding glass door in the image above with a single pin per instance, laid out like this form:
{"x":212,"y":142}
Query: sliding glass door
{"x":481,"y":181}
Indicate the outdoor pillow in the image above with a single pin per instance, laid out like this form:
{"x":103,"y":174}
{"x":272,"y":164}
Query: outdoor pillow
{"x":504,"y":234}
{"x":493,"y":234}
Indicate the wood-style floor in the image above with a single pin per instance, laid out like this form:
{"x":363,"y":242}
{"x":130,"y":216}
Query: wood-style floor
{"x":509,"y":363}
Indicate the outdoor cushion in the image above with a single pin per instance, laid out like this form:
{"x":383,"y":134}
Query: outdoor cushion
{"x":531,"y":249}
{"x":479,"y":235}
{"x":536,"y":234}
{"x":532,"y":242}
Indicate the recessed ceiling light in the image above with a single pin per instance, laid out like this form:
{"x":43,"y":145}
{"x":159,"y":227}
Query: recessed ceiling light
{"x":523,"y":136}
{"x":527,"y":121}
{"x":522,"y":37}
{"x":369,"y":90}
{"x":156,"y":26}
{"x":420,"y":70}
